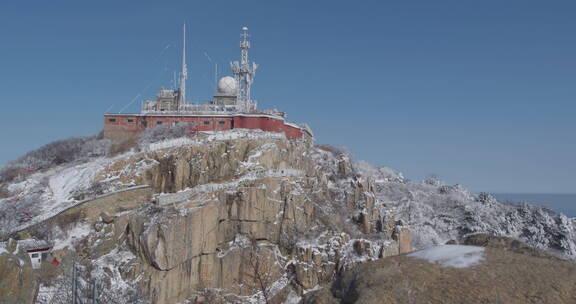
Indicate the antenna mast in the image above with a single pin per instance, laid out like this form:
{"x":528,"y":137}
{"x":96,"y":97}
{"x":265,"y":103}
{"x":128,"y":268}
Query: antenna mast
{"x":243,"y":71}
{"x":216,"y":75}
{"x":184,"y":73}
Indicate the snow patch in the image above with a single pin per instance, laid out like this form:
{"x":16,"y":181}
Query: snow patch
{"x":183,"y":195}
{"x":210,"y":136}
{"x":78,"y":232}
{"x":458,"y":256}
{"x":78,"y":177}
{"x":293,"y":298}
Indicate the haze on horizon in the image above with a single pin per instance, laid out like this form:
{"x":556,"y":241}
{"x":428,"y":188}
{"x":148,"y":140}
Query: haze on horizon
{"x":480,"y":94}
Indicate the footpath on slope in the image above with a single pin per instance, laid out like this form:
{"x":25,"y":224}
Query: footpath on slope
{"x":47,"y":216}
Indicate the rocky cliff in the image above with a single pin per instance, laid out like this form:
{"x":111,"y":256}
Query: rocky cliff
{"x":299,"y":210}
{"x":244,"y":217}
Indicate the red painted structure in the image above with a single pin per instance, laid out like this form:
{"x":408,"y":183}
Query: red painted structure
{"x":122,"y":125}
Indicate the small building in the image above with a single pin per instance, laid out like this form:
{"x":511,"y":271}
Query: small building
{"x":37,"y":250}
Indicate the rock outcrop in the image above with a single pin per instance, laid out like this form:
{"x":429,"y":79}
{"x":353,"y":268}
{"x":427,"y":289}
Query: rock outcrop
{"x":18,"y":284}
{"x":302,"y":212}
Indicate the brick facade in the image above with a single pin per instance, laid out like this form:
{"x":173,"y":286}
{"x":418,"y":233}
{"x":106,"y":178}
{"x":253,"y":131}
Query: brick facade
{"x":122,"y":126}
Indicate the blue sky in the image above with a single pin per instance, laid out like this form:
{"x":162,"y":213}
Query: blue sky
{"x":481,"y":93}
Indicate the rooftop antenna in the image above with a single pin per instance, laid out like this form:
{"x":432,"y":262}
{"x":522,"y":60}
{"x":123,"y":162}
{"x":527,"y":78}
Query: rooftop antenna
{"x":184,"y":73}
{"x":215,"y":70}
{"x":243,"y":71}
{"x":216,"y":75}
{"x":174,"y":82}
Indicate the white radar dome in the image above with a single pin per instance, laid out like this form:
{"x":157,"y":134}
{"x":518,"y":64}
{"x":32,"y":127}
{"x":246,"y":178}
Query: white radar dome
{"x":227,"y":85}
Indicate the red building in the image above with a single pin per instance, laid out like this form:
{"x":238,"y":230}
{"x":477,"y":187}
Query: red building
{"x":122,"y":126}
{"x":232,"y":107}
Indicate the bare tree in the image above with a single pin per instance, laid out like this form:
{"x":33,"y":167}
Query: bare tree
{"x":163,"y":132}
{"x":260,"y":268}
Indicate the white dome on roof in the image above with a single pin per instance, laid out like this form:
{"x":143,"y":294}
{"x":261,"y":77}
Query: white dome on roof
{"x":227,"y":85}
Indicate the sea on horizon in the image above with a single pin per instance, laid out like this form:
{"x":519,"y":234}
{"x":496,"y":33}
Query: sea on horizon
{"x":564,"y":203}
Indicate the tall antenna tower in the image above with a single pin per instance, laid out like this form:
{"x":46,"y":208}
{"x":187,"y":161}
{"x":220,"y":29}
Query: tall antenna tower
{"x":184,"y":73}
{"x":243,"y":71}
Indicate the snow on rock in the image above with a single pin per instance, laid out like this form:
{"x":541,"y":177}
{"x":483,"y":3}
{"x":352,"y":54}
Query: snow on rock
{"x":46,"y":193}
{"x":243,"y":134}
{"x":170,"y":198}
{"x":458,"y":256}
{"x":78,"y":232}
{"x":55,"y":290}
{"x":107,"y":266}
{"x":257,"y":153}
{"x":293,"y":298}
{"x":65,"y":182}
{"x":210,"y":136}
{"x":170,"y":143}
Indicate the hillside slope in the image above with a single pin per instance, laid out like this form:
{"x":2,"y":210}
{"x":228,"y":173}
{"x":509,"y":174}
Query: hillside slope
{"x":242,"y":216}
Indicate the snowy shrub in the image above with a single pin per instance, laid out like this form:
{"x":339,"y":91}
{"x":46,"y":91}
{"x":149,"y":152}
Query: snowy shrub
{"x":445,"y":189}
{"x":17,"y":213}
{"x":122,"y":146}
{"x":95,"y":147}
{"x":484,"y":197}
{"x":433,"y":180}
{"x":161,"y":133}
{"x":56,"y":153}
{"x":382,"y":173}
{"x":337,"y":151}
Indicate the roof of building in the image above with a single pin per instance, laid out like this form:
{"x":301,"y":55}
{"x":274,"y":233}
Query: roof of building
{"x":29,"y":244}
